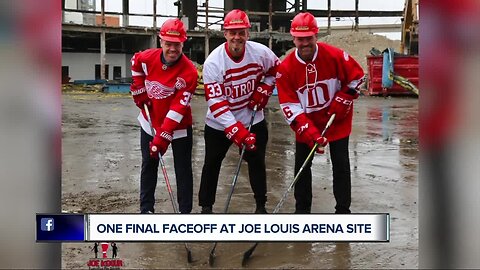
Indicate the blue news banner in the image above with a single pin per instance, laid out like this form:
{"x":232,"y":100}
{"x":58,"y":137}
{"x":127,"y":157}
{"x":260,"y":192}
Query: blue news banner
{"x":60,"y":227}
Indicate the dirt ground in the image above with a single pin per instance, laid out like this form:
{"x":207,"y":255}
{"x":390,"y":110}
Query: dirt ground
{"x":101,"y":170}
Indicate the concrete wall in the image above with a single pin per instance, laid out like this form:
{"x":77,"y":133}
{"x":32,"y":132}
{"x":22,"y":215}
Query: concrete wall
{"x":82,"y":65}
{"x":128,"y":65}
{"x":71,"y":4}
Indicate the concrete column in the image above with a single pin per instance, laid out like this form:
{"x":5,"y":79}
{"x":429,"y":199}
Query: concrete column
{"x":103,"y":12}
{"x":270,"y":24}
{"x":102,"y":55}
{"x":125,"y":11}
{"x":154,"y":14}
{"x":63,"y":12}
{"x":329,"y":10}
{"x":356,"y":15}
{"x":207,"y":38}
{"x":103,"y":50}
{"x":153,"y":40}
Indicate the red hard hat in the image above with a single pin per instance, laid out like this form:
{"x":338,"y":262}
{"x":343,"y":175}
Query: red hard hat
{"x":173,"y":30}
{"x":236,"y":19}
{"x":304,"y":25}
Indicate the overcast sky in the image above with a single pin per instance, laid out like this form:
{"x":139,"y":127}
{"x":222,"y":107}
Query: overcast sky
{"x":166,"y":7}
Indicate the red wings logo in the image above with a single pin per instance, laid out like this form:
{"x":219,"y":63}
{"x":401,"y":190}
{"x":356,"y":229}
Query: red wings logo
{"x":180,"y":83}
{"x":157,"y":90}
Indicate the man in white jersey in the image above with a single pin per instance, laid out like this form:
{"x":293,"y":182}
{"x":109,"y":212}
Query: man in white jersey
{"x":238,"y":75}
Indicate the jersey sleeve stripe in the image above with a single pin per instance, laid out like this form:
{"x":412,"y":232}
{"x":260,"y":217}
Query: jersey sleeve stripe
{"x":218,"y":105}
{"x":217,"y":114}
{"x":294,"y":108}
{"x":269,"y":80}
{"x":355,"y":83}
{"x":136,"y":73}
{"x":175,"y":116}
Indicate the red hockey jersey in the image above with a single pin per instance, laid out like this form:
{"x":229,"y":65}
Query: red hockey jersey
{"x":309,"y":88}
{"x":169,"y":87}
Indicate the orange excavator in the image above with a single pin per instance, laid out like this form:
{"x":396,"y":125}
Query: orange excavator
{"x":409,"y":42}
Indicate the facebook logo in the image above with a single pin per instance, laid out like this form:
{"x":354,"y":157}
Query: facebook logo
{"x":46,"y":224}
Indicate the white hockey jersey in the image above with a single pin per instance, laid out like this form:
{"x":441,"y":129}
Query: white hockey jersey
{"x":229,"y":84}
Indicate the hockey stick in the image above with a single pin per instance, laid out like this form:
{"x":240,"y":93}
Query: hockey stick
{"x":249,"y":252}
{"x":211,"y":258}
{"x":169,"y":188}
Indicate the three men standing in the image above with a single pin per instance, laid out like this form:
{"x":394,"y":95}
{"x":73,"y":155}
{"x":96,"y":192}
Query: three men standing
{"x":314,"y":82}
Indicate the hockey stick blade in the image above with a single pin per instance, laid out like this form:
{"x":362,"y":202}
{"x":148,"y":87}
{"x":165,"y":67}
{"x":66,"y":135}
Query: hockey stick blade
{"x":189,"y":255}
{"x":248,"y":253}
{"x":211,"y":258}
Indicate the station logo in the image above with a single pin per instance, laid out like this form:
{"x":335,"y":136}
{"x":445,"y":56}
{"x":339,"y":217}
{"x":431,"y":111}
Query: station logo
{"x":108,"y":260}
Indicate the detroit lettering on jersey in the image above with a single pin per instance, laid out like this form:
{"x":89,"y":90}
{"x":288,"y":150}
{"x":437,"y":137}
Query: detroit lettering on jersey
{"x":239,"y":90}
{"x":237,"y":82}
{"x":232,"y":91}
{"x":241,"y":81}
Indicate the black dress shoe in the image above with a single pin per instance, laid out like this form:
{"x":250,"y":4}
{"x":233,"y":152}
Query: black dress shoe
{"x":302,"y":211}
{"x":261,"y":210}
{"x":206,"y":210}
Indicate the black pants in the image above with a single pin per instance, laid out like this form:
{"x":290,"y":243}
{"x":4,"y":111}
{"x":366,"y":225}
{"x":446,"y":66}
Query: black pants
{"x":216,"y":147}
{"x":341,"y":177}
{"x":182,"y":159}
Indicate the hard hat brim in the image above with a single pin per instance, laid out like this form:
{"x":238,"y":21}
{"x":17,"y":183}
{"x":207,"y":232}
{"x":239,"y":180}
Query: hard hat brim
{"x":172,"y":39}
{"x":303,"y":34}
{"x":236,"y":27}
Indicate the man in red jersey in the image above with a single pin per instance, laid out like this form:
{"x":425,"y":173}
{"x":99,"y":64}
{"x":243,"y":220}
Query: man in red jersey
{"x":314,"y":82}
{"x":165,"y":79}
{"x":238,"y":75}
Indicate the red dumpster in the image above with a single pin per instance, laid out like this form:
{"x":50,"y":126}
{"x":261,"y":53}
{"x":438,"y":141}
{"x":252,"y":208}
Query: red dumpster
{"x":404,"y":65}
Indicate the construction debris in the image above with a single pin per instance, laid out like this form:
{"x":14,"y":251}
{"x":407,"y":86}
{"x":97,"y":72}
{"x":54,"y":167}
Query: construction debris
{"x":357,"y":44}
